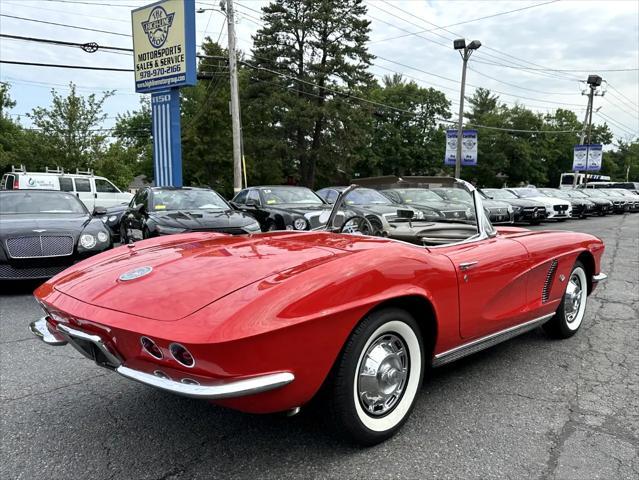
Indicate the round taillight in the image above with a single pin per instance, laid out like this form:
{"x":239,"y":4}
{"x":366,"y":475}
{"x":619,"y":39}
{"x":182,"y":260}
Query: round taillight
{"x":151,"y":348}
{"x":182,"y":355}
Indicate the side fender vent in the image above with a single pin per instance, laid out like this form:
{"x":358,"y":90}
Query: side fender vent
{"x":550,"y":276}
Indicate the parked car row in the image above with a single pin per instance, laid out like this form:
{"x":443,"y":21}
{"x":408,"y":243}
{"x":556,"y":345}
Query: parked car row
{"x":43,"y":232}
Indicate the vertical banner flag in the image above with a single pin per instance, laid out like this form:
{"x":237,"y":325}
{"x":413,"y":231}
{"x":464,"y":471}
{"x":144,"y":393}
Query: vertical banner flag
{"x":587,"y":158}
{"x":580,"y":154}
{"x":164,"y":61}
{"x":469,"y":148}
{"x":595,"y":154}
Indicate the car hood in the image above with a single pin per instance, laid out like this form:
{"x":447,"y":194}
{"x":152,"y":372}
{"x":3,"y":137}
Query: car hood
{"x":186,"y":272}
{"x":11,"y":225}
{"x":201,"y":219}
{"x":443,"y":206}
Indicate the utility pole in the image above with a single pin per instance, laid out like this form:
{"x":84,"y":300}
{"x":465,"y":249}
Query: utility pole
{"x":235,"y":101}
{"x":465,"y":52}
{"x":594,"y":81}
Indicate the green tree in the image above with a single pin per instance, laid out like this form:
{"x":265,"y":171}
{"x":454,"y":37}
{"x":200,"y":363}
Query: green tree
{"x":313,"y":48}
{"x":71,"y":126}
{"x":133,"y":131}
{"x":406,"y":139}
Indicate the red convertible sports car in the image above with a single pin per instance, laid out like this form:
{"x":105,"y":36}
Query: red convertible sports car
{"x":266,"y":322}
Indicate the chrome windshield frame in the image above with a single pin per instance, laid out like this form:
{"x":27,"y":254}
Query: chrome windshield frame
{"x":485,"y":229}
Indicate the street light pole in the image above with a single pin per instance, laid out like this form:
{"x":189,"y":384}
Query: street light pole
{"x":235,"y":101}
{"x":593,"y":81}
{"x":465,"y":52}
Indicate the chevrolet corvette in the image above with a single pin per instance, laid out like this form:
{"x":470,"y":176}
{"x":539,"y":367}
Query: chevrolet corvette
{"x":267,"y":322}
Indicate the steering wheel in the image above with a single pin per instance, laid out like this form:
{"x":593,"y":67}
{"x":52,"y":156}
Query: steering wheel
{"x":358,"y":225}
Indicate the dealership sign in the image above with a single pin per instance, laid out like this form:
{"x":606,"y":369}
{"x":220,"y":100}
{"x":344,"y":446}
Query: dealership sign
{"x":164,"y":45}
{"x":469,"y":148}
{"x":587,"y":158}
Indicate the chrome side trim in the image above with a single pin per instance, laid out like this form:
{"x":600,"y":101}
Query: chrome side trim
{"x":40,"y":329}
{"x":600,"y":277}
{"x":71,"y":333}
{"x":487,"y":341}
{"x":233,"y":388}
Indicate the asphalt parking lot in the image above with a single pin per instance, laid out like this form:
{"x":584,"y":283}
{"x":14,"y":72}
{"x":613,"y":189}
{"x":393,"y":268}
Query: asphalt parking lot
{"x":528,"y":408}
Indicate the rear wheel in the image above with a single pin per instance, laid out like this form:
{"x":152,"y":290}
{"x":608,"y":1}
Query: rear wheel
{"x":377,"y":377}
{"x":572,"y":308}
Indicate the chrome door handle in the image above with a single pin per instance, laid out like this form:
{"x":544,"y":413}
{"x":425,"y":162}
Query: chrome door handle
{"x":467,"y":265}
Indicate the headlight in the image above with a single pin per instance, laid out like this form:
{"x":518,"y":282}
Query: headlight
{"x":469,"y":213}
{"x":516,"y":208}
{"x":104,"y":219}
{"x":103,"y":237}
{"x":252,"y":227}
{"x":510,"y":209}
{"x":113,"y":218}
{"x":164,"y":230}
{"x":87,"y":241}
{"x":299,"y":224}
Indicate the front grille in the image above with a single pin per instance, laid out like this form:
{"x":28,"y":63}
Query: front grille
{"x":499,"y":211}
{"x":545,"y":292}
{"x":9,"y":272}
{"x":40,"y":246}
{"x":560,"y":208}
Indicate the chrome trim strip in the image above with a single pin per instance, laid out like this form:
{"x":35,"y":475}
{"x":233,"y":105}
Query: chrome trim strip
{"x":40,"y":329}
{"x":600,"y":277}
{"x":487,"y":341}
{"x":71,"y":333}
{"x":233,"y":388}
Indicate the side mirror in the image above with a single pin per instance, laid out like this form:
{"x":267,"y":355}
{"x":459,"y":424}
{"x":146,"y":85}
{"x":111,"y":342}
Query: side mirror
{"x":99,"y":211}
{"x":405,"y":214}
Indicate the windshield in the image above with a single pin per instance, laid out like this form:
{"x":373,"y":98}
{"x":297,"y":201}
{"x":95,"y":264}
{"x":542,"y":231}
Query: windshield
{"x":577,"y":194}
{"x":527,"y":192}
{"x":499,"y":194}
{"x":164,"y":200}
{"x":49,"y":202}
{"x":290,"y":195}
{"x":456,"y":194}
{"x":366,"y":196}
{"x":417,"y":195}
{"x":554,"y":193}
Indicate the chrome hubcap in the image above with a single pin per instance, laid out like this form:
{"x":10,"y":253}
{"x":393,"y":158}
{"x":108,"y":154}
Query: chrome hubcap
{"x":382,"y":374}
{"x":572,"y":298}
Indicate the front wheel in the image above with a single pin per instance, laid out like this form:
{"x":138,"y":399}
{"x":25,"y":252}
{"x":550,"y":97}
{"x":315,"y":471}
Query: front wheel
{"x":572,"y":308}
{"x":377,"y":377}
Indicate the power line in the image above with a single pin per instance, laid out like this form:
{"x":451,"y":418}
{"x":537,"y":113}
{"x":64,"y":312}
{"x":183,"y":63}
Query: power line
{"x":617,"y":124}
{"x":65,"y":25}
{"x":78,"y":67}
{"x":90,"y":47}
{"x":621,"y":94}
{"x":560,"y":70}
{"x":519,"y":86}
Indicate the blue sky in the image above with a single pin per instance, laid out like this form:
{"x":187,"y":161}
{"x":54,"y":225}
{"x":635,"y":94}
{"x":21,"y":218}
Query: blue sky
{"x":581,"y":36}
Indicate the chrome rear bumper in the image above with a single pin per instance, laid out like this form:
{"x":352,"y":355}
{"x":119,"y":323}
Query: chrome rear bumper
{"x":105,"y":357}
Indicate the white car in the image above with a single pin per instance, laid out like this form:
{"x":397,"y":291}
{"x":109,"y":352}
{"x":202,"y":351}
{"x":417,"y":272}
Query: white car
{"x":556,"y":208}
{"x":92,"y":190}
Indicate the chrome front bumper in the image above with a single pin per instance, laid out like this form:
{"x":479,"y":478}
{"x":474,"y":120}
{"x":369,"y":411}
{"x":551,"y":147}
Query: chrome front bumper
{"x":106,"y":358}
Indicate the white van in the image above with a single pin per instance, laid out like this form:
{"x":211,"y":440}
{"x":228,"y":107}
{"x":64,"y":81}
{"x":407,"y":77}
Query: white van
{"x":94,"y":191}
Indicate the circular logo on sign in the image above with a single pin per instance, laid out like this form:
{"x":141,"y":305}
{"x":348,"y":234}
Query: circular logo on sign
{"x":135,"y":273}
{"x":157,"y":26}
{"x":31,"y":182}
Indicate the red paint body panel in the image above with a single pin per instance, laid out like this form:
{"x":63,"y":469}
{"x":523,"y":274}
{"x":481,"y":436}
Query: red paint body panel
{"x":288,"y":301}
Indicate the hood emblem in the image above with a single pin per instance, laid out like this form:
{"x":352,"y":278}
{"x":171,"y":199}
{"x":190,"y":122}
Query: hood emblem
{"x":135,"y":273}
{"x":39,"y":230}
